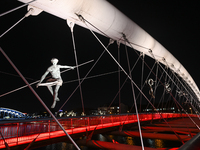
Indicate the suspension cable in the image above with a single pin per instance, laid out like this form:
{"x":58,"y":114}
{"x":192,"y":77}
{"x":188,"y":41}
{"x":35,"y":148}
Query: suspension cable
{"x":28,"y":14}
{"x":82,"y":19}
{"x":14,"y":75}
{"x":152,"y":93}
{"x":164,"y":90}
{"x":119,"y":81}
{"x":123,"y":83}
{"x":39,"y":80}
{"x":71,"y":25}
{"x":95,"y":76}
{"x":136,"y":109}
{"x":171,"y":87}
{"x":153,"y":105}
{"x":134,"y":83}
{"x":176,"y":100}
{"x":142,"y":76}
{"x":162,"y":97}
{"x":145,"y":80}
{"x":178,"y":80}
{"x":191,"y":94}
{"x":16,"y":69}
{"x":150,"y":51}
{"x":156,"y":85}
{"x":118,"y":65}
{"x":18,"y":89}
{"x":190,"y":101}
{"x":5,"y":13}
{"x":183,"y":87}
{"x":84,"y":77}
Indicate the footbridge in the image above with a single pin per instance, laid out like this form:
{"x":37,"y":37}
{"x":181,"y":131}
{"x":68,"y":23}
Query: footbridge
{"x":142,"y":74}
{"x":36,"y":133}
{"x":11,"y":113}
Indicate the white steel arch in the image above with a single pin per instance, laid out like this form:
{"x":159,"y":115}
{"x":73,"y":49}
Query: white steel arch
{"x":111,"y":21}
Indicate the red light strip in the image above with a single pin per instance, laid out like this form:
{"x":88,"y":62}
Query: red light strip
{"x":78,"y":127}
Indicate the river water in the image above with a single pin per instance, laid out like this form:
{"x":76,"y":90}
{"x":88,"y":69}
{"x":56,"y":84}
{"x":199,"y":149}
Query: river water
{"x":153,"y":143}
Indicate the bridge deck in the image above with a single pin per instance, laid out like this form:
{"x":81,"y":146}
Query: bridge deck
{"x":18,"y":133}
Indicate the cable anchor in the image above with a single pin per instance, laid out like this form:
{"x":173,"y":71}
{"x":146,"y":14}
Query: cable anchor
{"x":71,"y":25}
{"x":80,"y":17}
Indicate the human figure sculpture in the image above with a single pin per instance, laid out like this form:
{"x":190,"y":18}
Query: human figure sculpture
{"x":55,"y":79}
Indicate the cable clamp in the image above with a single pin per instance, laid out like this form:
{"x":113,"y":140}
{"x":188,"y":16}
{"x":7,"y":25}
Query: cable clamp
{"x":80,"y":17}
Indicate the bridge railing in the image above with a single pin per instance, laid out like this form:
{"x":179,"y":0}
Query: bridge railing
{"x":16,"y":133}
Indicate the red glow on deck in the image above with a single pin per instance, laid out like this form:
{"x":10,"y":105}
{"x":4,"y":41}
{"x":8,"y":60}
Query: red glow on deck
{"x":23,"y":133}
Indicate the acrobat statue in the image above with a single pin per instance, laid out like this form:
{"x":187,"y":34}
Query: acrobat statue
{"x":55,"y":79}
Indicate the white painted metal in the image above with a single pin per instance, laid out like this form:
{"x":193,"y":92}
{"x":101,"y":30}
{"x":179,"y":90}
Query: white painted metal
{"x":111,"y":21}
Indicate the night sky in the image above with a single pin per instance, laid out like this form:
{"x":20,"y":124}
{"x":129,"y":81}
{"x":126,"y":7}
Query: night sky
{"x":37,"y":39}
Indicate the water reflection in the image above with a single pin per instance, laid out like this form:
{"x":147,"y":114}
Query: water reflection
{"x":153,"y":143}
{"x":100,"y":137}
{"x":130,"y":141}
{"x":156,"y":143}
{"x":64,"y":146}
{"x":59,"y":146}
{"x":159,"y":143}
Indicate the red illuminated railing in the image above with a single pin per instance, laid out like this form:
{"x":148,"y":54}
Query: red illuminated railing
{"x":24,"y":132}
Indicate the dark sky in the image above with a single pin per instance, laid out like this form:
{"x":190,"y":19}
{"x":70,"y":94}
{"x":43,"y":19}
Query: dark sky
{"x":37,"y":39}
